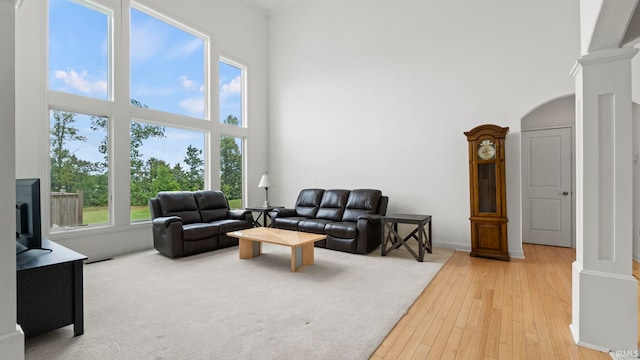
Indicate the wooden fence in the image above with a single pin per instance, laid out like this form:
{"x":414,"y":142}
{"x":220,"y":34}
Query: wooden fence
{"x":66,"y":208}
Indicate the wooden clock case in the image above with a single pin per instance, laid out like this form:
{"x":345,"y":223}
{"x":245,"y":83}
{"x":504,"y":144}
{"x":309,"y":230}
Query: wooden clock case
{"x":487,"y":189}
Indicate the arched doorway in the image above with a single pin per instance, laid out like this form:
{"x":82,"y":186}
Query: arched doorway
{"x":547,"y":151}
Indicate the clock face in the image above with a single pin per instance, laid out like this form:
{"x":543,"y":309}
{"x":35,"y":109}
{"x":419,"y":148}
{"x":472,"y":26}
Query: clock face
{"x":487,"y":150}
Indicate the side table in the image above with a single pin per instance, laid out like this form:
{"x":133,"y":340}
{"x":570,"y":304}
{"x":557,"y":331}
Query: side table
{"x":419,"y":233}
{"x":264,"y":213}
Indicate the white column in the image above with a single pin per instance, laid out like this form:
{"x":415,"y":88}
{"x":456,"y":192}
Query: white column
{"x":11,"y":336}
{"x":605,"y":293}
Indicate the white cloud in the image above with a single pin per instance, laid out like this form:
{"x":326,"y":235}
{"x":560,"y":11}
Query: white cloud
{"x":186,"y":82}
{"x":194,"y":105}
{"x":233,"y":86}
{"x":81,"y":81}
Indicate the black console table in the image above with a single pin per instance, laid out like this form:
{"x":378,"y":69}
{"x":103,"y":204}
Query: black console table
{"x":50,"y":289}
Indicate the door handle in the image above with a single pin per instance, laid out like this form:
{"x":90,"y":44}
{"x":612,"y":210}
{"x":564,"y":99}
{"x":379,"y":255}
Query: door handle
{"x":565,"y":193}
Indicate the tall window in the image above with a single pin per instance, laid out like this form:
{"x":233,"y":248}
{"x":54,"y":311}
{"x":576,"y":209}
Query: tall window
{"x":167,"y":66}
{"x":164,"y":120}
{"x":79,"y":47}
{"x":231,"y":114}
{"x":163,"y":159}
{"x":231,"y":169}
{"x":79,"y":65}
{"x":167,"y":74}
{"x":79,"y":148}
{"x":231,"y":93}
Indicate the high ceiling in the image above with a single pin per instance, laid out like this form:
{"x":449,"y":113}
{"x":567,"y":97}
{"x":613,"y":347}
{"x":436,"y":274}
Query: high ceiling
{"x":272,"y":6}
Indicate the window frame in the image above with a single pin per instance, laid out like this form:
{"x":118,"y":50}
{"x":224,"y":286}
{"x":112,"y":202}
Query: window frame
{"x":236,"y":131}
{"x":207,"y":71}
{"x":120,"y":113}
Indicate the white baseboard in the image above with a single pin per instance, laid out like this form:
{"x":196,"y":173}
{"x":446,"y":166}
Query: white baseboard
{"x":518,"y":254}
{"x":446,"y":245}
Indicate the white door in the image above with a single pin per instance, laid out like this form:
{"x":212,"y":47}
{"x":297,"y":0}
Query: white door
{"x":547,"y":187}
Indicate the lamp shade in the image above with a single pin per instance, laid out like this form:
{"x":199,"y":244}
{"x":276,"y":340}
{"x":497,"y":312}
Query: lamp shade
{"x":265,"y":181}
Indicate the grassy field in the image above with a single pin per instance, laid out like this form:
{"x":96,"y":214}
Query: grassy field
{"x":100,"y":214}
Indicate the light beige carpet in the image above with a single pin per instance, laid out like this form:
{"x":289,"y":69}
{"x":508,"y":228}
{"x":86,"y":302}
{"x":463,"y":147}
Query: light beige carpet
{"x":216,"y":306}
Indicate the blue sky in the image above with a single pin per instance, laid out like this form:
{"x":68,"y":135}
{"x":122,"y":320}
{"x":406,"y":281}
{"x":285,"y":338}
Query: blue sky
{"x":166,"y":69}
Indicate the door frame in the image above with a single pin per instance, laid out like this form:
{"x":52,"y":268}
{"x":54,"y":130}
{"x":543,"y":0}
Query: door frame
{"x":573,"y":177}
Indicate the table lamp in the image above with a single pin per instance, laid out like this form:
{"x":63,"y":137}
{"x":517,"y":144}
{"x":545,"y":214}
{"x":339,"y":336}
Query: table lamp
{"x":265,"y":182}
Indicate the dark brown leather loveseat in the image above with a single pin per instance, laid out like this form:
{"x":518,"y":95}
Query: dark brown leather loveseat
{"x":187,"y":223}
{"x":351,"y":219}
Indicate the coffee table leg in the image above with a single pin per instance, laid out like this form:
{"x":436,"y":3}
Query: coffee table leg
{"x":301,"y":256}
{"x":248,"y":248}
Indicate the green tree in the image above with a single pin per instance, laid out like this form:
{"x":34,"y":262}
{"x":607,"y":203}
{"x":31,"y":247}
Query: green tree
{"x":138,"y":133}
{"x":141,"y":188}
{"x":67,"y":170}
{"x":161,"y":178}
{"x":95,"y":190}
{"x":230,"y":164}
{"x":70,"y":173}
{"x":194,"y":177}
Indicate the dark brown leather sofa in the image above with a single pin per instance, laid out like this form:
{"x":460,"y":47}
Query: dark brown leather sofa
{"x":187,"y":223}
{"x":351,"y":219}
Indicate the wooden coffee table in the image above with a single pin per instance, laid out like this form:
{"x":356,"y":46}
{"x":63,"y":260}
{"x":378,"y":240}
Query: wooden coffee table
{"x":301,"y":244}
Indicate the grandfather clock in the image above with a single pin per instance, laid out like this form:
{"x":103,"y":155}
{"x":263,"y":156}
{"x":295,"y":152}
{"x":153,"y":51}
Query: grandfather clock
{"x":488,"y":191}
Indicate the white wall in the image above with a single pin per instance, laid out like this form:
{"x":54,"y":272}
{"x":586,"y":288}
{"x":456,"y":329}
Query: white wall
{"x":378,"y":94}
{"x":11,"y":337}
{"x":238,"y":31}
{"x":554,"y":113}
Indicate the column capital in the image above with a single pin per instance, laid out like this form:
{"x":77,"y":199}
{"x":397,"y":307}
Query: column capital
{"x":603,"y":56}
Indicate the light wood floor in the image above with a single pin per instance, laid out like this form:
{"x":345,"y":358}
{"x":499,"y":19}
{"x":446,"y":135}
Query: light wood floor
{"x":488,"y":309}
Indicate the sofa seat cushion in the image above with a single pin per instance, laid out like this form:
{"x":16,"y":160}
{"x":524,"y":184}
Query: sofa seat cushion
{"x":288,"y":223}
{"x":315,"y":226}
{"x":228,"y":225}
{"x":344,"y":230}
{"x":181,"y":204}
{"x":199,"y":231}
{"x":346,"y":245}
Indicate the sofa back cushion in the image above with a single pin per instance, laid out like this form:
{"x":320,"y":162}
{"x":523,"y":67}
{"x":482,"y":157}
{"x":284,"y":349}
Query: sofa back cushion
{"x":361,"y":202}
{"x":213,"y":205}
{"x":332,"y":205}
{"x":181,"y":204}
{"x":308,"y":202}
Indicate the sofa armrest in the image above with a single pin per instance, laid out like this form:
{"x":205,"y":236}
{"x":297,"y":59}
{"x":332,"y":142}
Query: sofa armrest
{"x":164,"y":222}
{"x":371,"y":218}
{"x":284,"y":212}
{"x":279,"y":213}
{"x":240,"y":214}
{"x":167,"y":236}
{"x":370,"y":233}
